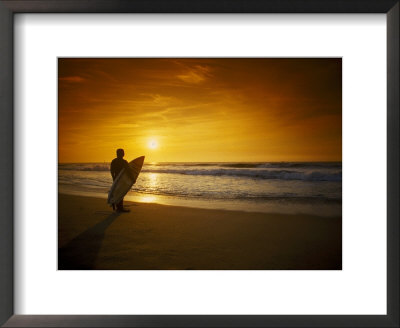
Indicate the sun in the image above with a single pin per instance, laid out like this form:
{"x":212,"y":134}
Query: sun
{"x":152,"y":144}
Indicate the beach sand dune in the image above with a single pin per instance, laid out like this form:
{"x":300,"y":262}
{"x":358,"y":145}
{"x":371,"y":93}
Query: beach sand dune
{"x":152,"y":236}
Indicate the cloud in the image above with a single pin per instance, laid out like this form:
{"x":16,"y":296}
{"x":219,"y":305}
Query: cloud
{"x":196,"y":74}
{"x":161,"y":100}
{"x":128,"y":125}
{"x":72,"y":79}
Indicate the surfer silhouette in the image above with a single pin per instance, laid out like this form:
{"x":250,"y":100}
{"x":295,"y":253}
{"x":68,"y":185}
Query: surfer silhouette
{"x":117,"y":165}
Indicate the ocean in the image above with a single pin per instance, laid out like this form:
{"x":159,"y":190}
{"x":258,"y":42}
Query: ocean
{"x":285,"y":187}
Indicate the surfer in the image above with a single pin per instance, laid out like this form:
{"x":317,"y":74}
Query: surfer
{"x":117,"y":165}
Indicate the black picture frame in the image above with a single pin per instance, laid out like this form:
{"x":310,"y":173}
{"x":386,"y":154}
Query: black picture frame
{"x":10,"y":7}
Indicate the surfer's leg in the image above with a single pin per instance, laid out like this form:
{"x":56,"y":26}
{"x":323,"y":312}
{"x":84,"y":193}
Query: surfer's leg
{"x":120,"y":205}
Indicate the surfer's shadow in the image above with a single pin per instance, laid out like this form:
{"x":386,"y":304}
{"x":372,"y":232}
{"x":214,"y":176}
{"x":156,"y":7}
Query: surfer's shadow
{"x":82,"y":251}
{"x":102,"y":213}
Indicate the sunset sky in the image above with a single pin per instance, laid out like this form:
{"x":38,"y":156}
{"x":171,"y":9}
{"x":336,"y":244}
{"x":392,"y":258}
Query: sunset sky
{"x":208,"y":110}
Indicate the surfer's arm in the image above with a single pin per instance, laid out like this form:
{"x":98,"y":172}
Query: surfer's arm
{"x":112,"y":170}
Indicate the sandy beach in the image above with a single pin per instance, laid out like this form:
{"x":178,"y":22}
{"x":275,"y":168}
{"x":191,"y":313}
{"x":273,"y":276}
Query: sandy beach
{"x":152,"y":237}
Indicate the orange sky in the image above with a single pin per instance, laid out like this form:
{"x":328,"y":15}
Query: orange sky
{"x":209,"y":110}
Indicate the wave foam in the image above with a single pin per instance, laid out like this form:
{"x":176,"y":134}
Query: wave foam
{"x":257,"y":174}
{"x":282,"y":171}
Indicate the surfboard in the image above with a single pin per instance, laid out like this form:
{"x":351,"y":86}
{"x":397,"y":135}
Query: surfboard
{"x":124,"y":181}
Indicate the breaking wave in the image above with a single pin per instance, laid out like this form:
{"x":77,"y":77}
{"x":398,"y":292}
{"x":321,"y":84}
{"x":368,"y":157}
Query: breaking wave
{"x":277,"y":171}
{"x":257,"y":174}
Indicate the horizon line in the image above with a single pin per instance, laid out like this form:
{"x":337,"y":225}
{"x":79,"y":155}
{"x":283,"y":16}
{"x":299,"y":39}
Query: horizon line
{"x":331,"y":161}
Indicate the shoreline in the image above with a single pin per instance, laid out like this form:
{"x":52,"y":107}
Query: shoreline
{"x":293,"y":207}
{"x":165,"y":237}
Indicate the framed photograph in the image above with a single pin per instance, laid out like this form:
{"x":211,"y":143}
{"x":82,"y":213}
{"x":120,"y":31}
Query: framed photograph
{"x":211,"y":139}
{"x":199,"y":164}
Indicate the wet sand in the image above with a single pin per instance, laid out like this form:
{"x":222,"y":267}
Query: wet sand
{"x":152,"y":237}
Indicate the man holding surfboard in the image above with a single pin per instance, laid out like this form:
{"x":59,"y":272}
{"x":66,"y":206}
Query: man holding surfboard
{"x":124,"y":176}
{"x":117,"y":165}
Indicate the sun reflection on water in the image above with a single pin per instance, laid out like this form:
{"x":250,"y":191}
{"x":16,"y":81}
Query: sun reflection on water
{"x":153,"y":179}
{"x":147,"y":198}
